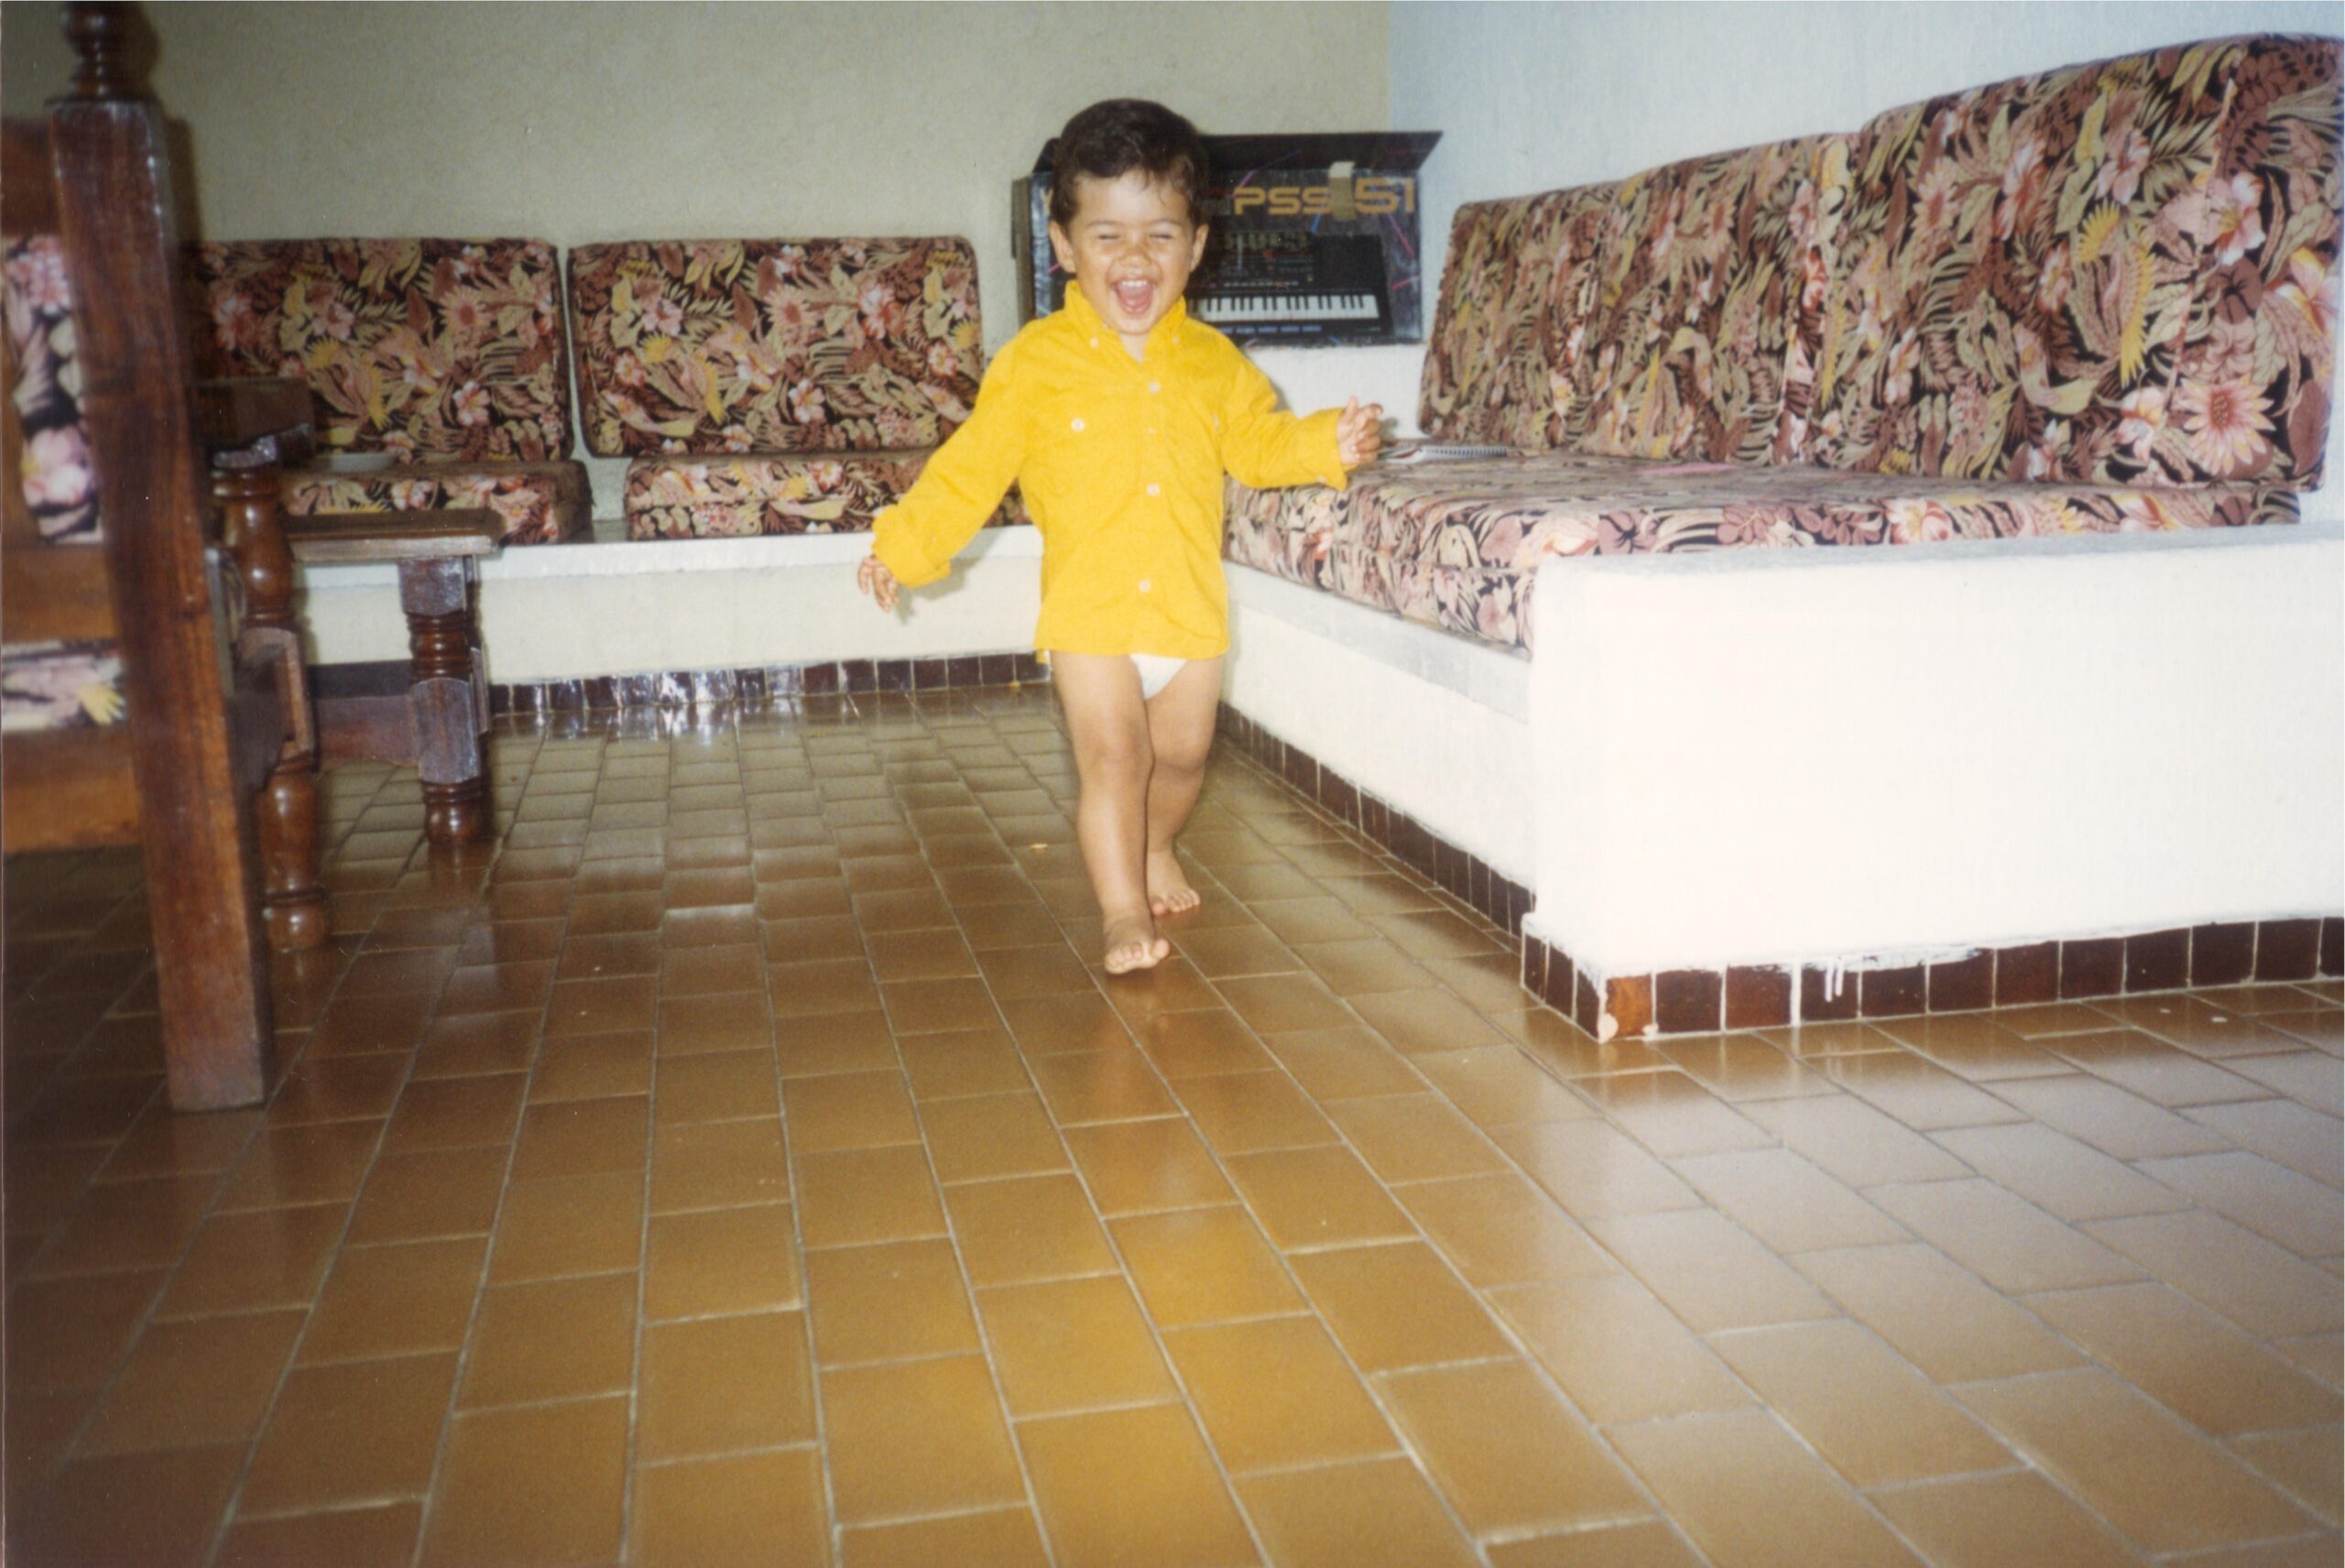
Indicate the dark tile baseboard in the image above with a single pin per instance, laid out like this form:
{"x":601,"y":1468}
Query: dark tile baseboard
{"x":1705,"y":1001}
{"x":688,"y":688}
{"x":1462,"y":876}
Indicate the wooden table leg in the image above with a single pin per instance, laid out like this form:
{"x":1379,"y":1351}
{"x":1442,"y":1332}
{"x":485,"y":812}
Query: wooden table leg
{"x":444,"y":696}
{"x":285,"y":809}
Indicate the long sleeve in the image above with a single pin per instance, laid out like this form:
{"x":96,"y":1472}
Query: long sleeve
{"x":1266,"y":448}
{"x":962,"y":485}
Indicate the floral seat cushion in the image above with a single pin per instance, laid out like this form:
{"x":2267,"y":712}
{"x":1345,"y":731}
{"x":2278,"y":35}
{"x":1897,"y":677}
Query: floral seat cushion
{"x":1457,"y":545}
{"x":53,"y":468}
{"x":772,"y":492}
{"x":426,"y":349}
{"x":59,"y":685}
{"x":539,"y":503}
{"x":740,"y":346}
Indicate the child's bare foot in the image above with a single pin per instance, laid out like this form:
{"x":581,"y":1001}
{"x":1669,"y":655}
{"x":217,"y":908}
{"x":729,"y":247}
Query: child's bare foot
{"x":1132,"y":943}
{"x":1168,"y":892}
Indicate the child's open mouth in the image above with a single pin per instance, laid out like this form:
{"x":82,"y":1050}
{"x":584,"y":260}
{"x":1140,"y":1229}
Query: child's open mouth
{"x":1134,"y":296}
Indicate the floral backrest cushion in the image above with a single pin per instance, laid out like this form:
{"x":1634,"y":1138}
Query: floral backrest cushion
{"x":53,"y":465}
{"x":2015,"y":268}
{"x":2251,"y":393}
{"x":421,"y":348}
{"x":1504,"y":366}
{"x":775,"y":346}
{"x":1700,"y":304}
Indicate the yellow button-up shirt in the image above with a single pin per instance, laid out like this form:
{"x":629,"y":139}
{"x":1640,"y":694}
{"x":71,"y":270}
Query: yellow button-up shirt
{"x":1120,"y":463}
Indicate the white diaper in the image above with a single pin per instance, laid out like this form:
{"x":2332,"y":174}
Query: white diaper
{"x":1156,"y":672}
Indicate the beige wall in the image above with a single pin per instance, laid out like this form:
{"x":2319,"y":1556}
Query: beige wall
{"x":595,"y":122}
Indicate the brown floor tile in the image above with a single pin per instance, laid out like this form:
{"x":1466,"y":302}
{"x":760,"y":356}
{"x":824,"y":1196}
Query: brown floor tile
{"x":734,"y":1022}
{"x":1198,"y":1266}
{"x":850,"y":1110}
{"x":742,"y":1509}
{"x":1864,"y":1409}
{"x":315,"y":1164}
{"x":1348,"y":1516}
{"x":2305,"y":1216}
{"x":888,"y":1303}
{"x":833,"y":1042}
{"x":1275,"y":1394}
{"x":1132,"y":1487}
{"x":999,"y":1538}
{"x":578,"y":1224}
{"x":239,"y":1263}
{"x":720,"y":1260}
{"x":1989,"y":1521}
{"x":544,"y":1483}
{"x":558,"y":1339}
{"x":1853,"y":1143}
{"x":715,"y":1086}
{"x":378,"y":1537}
{"x":1501,"y":1230}
{"x":992,"y":1136}
{"x":180,"y":1494}
{"x":916,"y":1437}
{"x":1415,"y":1022}
{"x":1711,"y":1273}
{"x":395,"y":1300}
{"x":720,"y":1384}
{"x":2264,"y":1289}
{"x":2161,"y":1073}
{"x":582,"y":1137}
{"x":962,"y":1062}
{"x":1343,"y":1063}
{"x":1936,"y":1314}
{"x":1508,"y":1454}
{"x":1498,"y":1086}
{"x":2305,"y":1141}
{"x":2163,"y":1485}
{"x":1309,"y":1198}
{"x":415,"y":1197}
{"x":444,"y":1113}
{"x":1648,"y":1544}
{"x":1617,"y":1351}
{"x":1415,"y":1138}
{"x":479,"y":1044}
{"x":2005,"y":1240}
{"x":1593,"y":1168}
{"x":190,"y":1384}
{"x":856,"y":1196}
{"x":594,"y":1067}
{"x":69,"y":1334}
{"x":351,"y":1432}
{"x":1047,"y":1025}
{"x":2069,"y":1180}
{"x":2187,"y":1359}
{"x":1102,"y":1086}
{"x":2305,"y":1465}
{"x":1027,"y":1228}
{"x":1141,"y":1166}
{"x":1243,"y":1113}
{"x":1072,"y":1345}
{"x":2118,"y":1123}
{"x":1747,"y":1493}
{"x":1786,"y":1201}
{"x":1202,"y":1044}
{"x":1398,"y":1306}
{"x":716,"y":1165}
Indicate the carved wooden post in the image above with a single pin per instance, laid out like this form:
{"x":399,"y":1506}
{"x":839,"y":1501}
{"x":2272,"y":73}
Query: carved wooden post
{"x":444,"y":697}
{"x":122,"y":248}
{"x":293,"y":902}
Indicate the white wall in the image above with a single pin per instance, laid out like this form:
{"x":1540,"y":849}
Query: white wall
{"x":1780,"y":755}
{"x":1537,"y":97}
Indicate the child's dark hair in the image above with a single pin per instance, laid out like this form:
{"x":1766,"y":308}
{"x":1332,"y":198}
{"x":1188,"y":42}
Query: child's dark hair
{"x":1110,"y":139}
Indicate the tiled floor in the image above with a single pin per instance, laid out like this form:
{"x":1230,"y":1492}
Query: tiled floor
{"x":745,"y":1163}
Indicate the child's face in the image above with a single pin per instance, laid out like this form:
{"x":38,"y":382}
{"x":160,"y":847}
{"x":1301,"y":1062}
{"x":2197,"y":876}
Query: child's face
{"x":1131,"y":247}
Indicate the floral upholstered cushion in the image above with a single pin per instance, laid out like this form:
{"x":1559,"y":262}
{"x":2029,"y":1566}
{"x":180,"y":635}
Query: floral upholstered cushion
{"x":2019,"y":266}
{"x":1699,"y":303}
{"x":59,"y":685}
{"x":1456,"y":544}
{"x":775,"y":346}
{"x":2253,"y":394}
{"x":53,"y":465}
{"x":539,"y":503}
{"x":772,"y":492}
{"x":1504,"y":366}
{"x":425,"y":348}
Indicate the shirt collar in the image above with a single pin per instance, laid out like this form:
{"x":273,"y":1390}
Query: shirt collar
{"x":1083,"y":318}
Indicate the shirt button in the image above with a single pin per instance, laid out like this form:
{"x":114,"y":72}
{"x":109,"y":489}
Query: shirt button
{"x":1144,"y":585}
{"x":1095,"y":343}
{"x":1154,"y":490}
{"x":1077,"y":425}
{"x":1152,"y":387}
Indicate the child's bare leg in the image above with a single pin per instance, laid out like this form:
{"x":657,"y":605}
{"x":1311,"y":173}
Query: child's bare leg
{"x":1108,"y":725}
{"x":1180,"y":732}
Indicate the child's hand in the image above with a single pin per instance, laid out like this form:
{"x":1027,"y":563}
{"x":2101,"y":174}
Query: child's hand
{"x":874,"y":578}
{"x":1359,"y":433}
